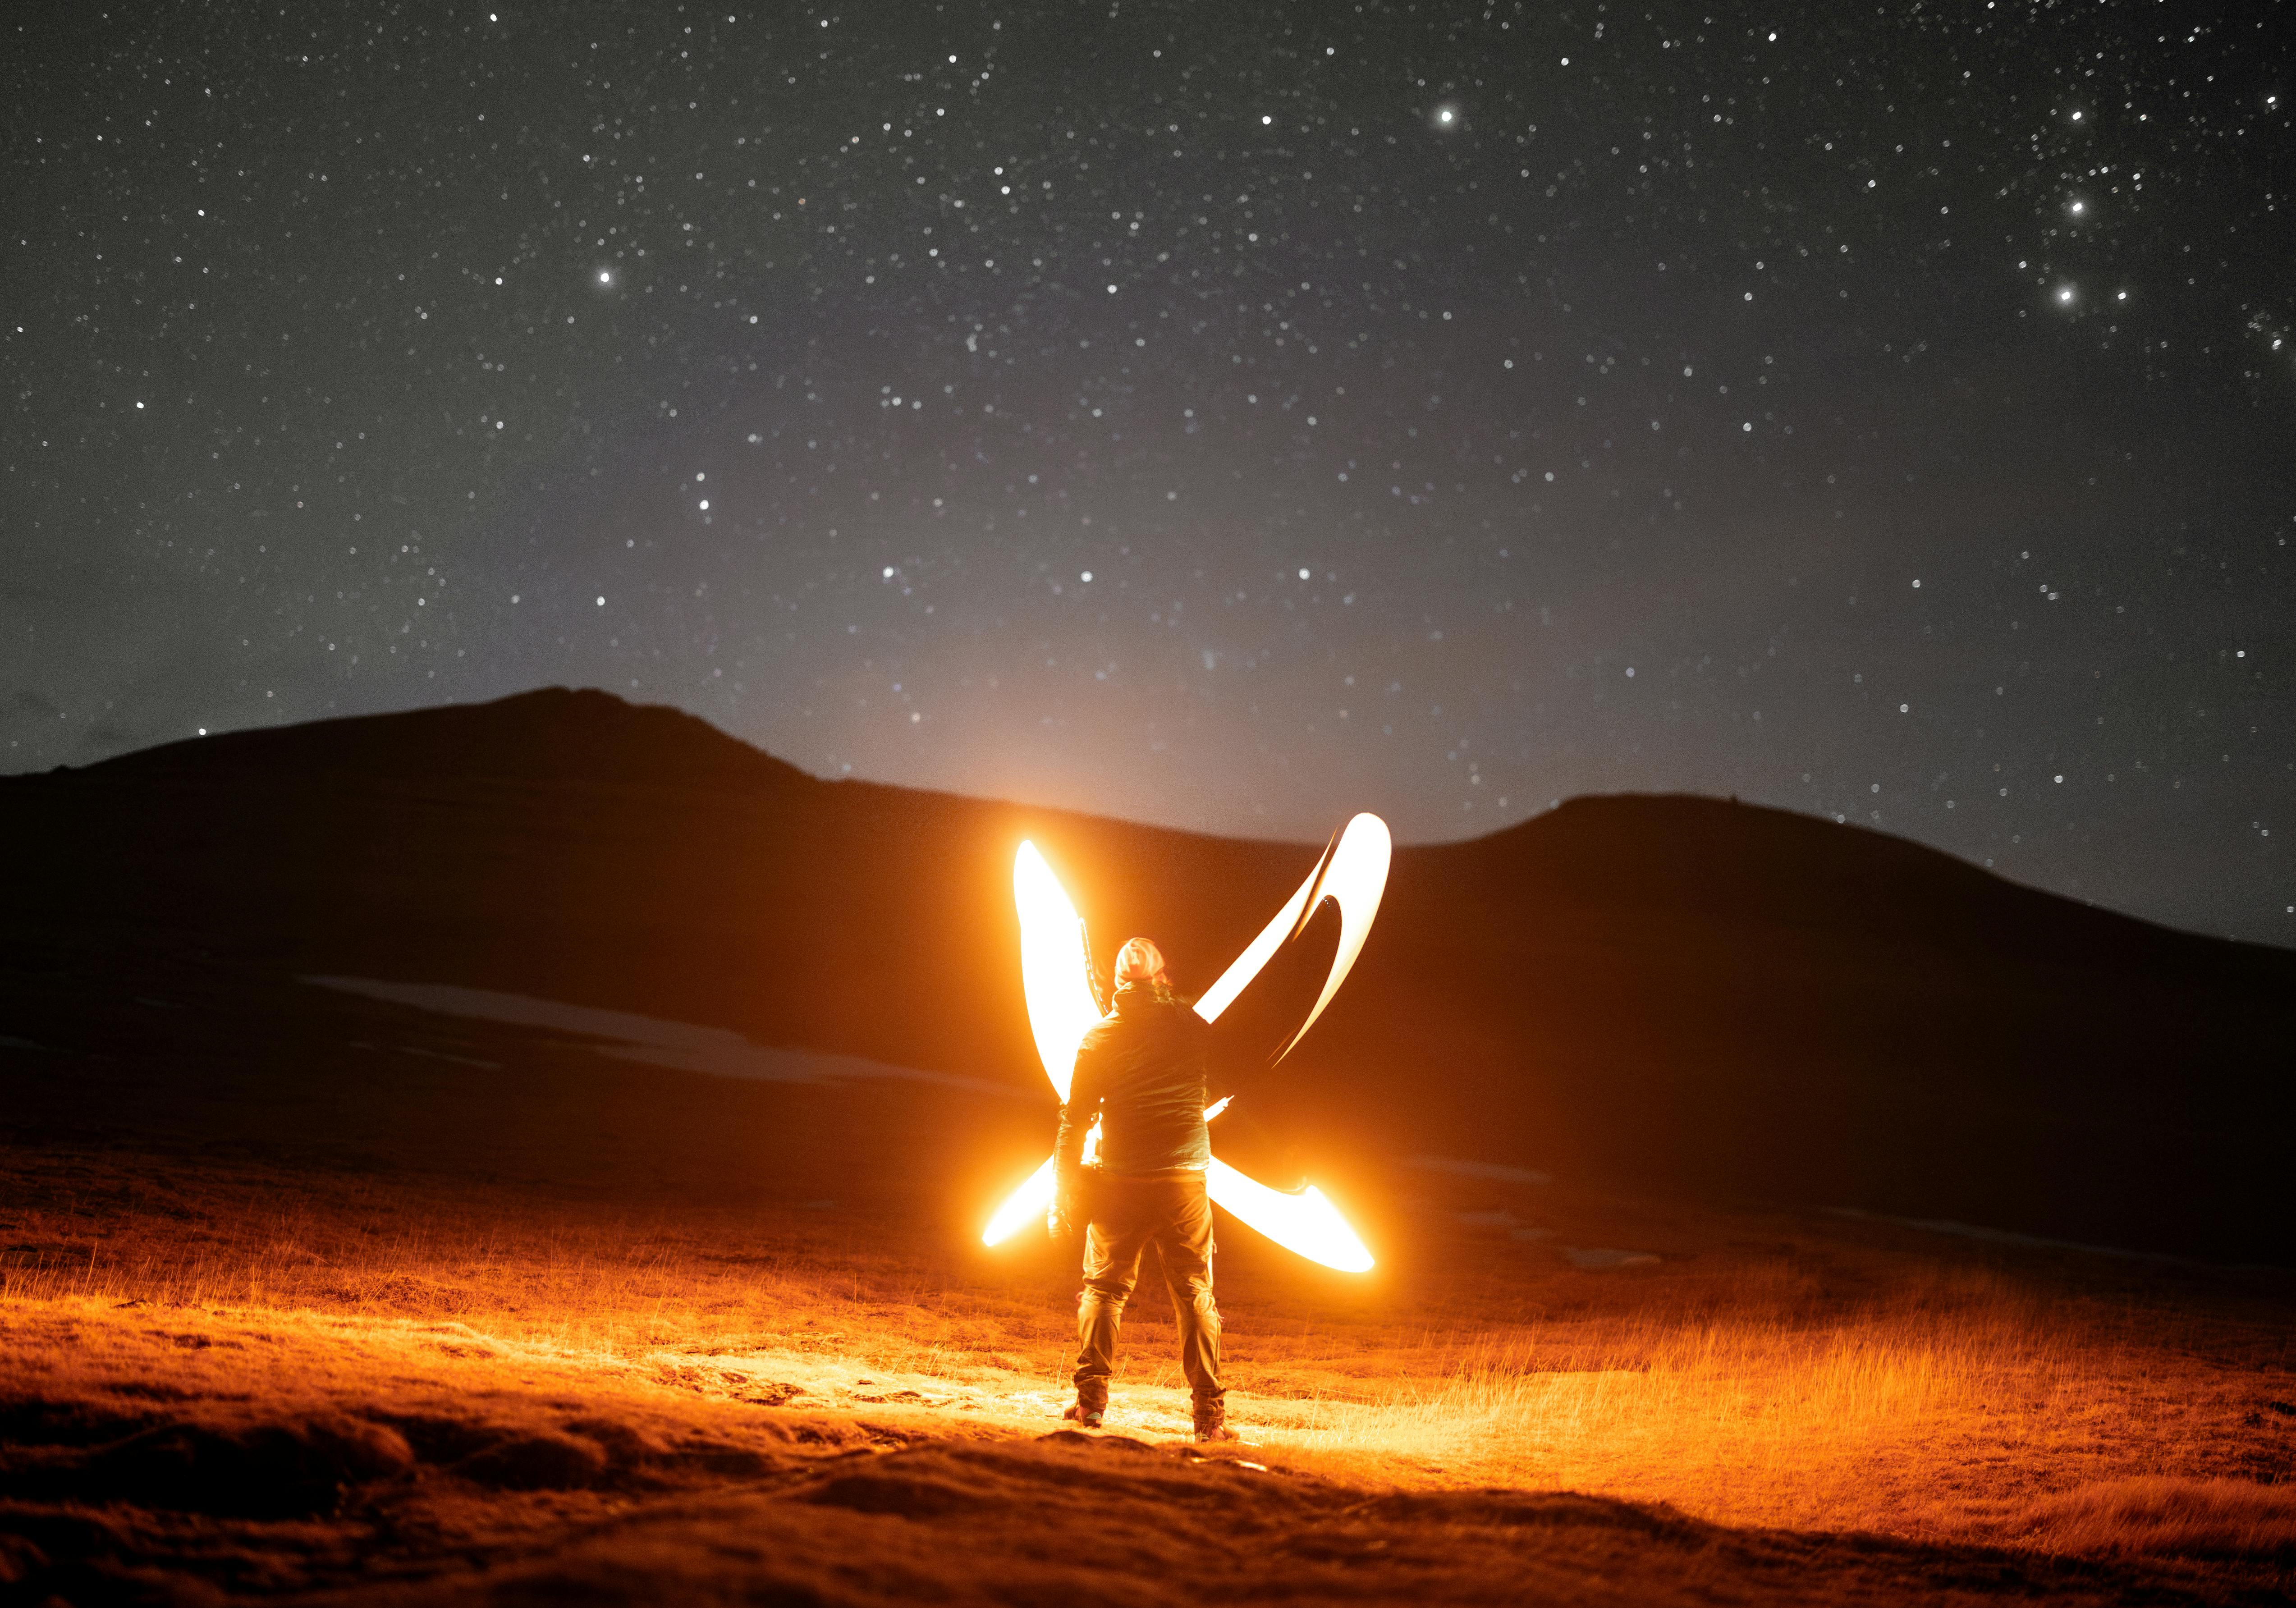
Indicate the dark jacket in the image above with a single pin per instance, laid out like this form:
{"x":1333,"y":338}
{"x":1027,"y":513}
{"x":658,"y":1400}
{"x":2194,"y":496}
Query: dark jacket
{"x":1142,"y":1069}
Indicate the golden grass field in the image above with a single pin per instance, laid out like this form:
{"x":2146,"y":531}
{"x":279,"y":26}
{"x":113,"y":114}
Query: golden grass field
{"x":505,"y":1352}
{"x":1849,"y":1381}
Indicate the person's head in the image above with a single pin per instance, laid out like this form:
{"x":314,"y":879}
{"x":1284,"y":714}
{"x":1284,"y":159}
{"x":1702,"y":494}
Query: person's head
{"x":1140,"y":963}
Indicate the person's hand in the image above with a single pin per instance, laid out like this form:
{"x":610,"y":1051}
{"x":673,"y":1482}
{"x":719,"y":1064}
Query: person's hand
{"x":1059,"y":1220}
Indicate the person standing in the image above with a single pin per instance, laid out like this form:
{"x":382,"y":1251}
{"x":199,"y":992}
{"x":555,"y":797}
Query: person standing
{"x":1142,"y":1071}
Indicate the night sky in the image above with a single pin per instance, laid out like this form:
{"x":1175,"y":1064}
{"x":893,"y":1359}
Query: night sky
{"x":1230,"y":415}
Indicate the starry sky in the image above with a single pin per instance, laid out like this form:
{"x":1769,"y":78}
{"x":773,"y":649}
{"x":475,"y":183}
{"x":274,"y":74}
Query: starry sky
{"x":1225,"y":415}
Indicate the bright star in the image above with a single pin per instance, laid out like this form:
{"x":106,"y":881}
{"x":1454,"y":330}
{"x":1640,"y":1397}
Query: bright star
{"x":604,"y":278}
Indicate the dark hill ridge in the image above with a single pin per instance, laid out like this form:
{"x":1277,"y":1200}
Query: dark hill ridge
{"x":550,"y":736}
{"x":1666,"y":994}
{"x":1700,"y":859}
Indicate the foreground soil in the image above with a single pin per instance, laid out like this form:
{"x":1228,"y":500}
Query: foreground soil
{"x":181,"y":1456}
{"x":309,"y":1296}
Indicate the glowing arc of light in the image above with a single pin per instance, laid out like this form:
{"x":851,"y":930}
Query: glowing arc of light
{"x":1352,"y":873}
{"x":1305,"y":1222}
{"x":1032,"y":1200}
{"x":1061,"y":1009}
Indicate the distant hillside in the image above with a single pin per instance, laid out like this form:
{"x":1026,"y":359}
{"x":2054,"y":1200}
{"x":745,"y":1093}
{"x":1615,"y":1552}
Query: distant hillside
{"x":1669,"y":994}
{"x":551,"y":735}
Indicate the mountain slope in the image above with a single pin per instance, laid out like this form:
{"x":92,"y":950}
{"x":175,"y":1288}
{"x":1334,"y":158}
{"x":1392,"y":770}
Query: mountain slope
{"x":1668,"y":995}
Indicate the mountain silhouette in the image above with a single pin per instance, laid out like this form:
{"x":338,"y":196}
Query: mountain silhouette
{"x":1666,"y":995}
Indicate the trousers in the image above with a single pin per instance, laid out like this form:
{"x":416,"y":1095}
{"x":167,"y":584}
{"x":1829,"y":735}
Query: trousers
{"x":1172,"y":1212}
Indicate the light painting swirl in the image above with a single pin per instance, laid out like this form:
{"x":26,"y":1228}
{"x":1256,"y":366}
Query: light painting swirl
{"x":1352,"y":873}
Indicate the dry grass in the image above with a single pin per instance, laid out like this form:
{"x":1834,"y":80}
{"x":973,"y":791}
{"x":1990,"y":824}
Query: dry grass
{"x":2157,"y":1515}
{"x":522,"y":1298}
{"x":1893,"y":1418}
{"x":1932,"y":1398}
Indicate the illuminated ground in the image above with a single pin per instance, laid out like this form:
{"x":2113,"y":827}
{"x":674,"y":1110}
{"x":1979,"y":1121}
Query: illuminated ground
{"x":308,"y":1293}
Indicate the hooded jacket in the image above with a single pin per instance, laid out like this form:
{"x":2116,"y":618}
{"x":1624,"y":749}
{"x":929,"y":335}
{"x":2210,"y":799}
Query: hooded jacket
{"x":1143,"y":1069}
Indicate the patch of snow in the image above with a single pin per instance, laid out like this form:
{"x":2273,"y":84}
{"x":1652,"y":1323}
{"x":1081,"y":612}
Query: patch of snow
{"x":1478,"y":1170}
{"x":2002,"y":1236}
{"x":683,"y":1045}
{"x":1596,"y":1260}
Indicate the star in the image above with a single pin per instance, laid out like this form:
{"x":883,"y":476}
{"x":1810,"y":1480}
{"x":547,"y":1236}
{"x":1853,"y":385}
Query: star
{"x":1501,"y":393}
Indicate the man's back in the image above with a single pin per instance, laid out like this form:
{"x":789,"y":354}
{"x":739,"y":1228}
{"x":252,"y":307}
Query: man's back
{"x":1144,"y":1068}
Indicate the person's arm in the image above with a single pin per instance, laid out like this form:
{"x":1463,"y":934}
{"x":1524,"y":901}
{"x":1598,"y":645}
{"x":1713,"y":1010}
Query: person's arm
{"x":1077,"y":1115}
{"x":1219,"y":1059}
{"x":1062,"y":1219}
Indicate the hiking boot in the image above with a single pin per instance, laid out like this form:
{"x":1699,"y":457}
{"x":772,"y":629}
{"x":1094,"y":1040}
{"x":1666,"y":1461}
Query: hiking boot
{"x":1089,"y":1408}
{"x":1211,"y":1421}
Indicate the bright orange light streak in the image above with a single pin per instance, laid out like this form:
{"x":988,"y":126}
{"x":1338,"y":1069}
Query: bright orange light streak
{"x":1030,"y":1202}
{"x":1061,"y":1009}
{"x":1305,"y":1222}
{"x":1353,"y":876}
